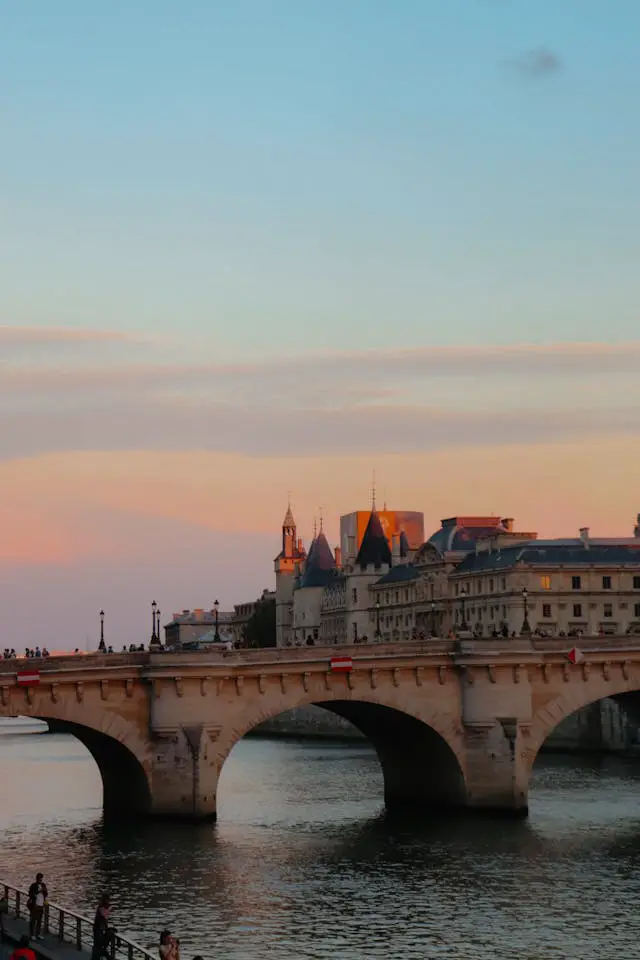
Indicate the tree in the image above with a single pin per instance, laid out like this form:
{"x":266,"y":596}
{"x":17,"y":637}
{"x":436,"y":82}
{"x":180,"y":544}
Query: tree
{"x":260,"y":630}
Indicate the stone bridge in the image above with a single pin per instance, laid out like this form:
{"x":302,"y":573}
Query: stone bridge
{"x":455,"y":723}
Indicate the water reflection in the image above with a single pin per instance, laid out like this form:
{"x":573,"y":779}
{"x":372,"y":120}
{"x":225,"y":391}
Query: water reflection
{"x":304,"y":863}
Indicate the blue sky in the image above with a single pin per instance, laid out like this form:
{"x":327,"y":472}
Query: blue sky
{"x":287,"y":175}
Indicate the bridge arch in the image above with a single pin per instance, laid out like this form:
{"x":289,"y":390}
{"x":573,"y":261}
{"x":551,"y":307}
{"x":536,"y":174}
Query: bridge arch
{"x":575,"y":696}
{"x":420,"y":751}
{"x":119,"y":754}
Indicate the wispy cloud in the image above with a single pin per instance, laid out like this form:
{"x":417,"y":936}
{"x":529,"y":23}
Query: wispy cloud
{"x":536,"y":64}
{"x":48,"y":335}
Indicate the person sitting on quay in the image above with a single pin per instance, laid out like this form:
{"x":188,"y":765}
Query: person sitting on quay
{"x":103,"y":934}
{"x":23,"y":951}
{"x":36,"y":900}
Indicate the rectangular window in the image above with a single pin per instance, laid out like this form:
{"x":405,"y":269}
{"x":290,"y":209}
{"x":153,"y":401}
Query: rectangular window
{"x":457,"y":589}
{"x":491,"y":585}
{"x":636,"y":583}
{"x":546,"y":611}
{"x":480,"y":586}
{"x":636,"y":610}
{"x":504,"y":613}
{"x":545,"y":582}
{"x":354,"y":594}
{"x":406,"y":596}
{"x":577,"y":609}
{"x":386,"y":597}
{"x":576,"y":583}
{"x":503,"y":584}
{"x":606,"y":583}
{"x":608,"y":610}
{"x":397,"y":596}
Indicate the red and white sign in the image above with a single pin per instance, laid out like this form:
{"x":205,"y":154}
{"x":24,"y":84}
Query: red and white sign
{"x":575,"y":655}
{"x":28,"y":678}
{"x":341,"y":664}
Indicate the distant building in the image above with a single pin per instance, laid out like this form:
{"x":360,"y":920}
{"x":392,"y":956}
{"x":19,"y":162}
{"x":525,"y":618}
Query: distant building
{"x":475,"y":574}
{"x":198,"y":625}
{"x":242,"y":613}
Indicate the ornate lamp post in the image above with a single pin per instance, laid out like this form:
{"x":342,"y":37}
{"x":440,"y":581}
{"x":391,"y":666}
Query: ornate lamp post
{"x":158,"y":627}
{"x":101,"y":615}
{"x":216,"y":635}
{"x":433,"y":619}
{"x":526,"y":626}
{"x":378,"y":618}
{"x":463,"y":622}
{"x":154,"y":636}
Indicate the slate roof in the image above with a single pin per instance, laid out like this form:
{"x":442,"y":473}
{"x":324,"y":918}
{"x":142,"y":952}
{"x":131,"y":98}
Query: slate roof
{"x":400,"y":574}
{"x":549,"y":553}
{"x":374,"y":549}
{"x":461,"y":538}
{"x":318,"y":570}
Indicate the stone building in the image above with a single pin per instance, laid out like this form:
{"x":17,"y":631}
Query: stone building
{"x":474,"y":574}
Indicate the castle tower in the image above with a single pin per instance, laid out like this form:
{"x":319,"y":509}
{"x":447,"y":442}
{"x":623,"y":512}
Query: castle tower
{"x":285,"y":564}
{"x":372,"y":562}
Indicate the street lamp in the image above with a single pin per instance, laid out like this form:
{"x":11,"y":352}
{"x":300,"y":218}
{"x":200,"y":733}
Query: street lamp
{"x":526,"y":626}
{"x":158,"y":622}
{"x":216,"y":635}
{"x":463,"y":623}
{"x":101,"y":615}
{"x":433,"y":619}
{"x":154,"y":607}
{"x":377,"y":618}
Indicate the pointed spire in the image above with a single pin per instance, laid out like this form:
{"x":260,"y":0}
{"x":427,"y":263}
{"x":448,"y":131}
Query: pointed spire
{"x":374,"y":549}
{"x":321,"y":518}
{"x":288,"y":517}
{"x":373,"y":491}
{"x":315,"y":528}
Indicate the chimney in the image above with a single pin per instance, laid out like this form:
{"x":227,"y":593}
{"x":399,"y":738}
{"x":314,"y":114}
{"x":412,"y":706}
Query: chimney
{"x":198,"y":613}
{"x":338,"y":555}
{"x":584,"y":535}
{"x":507,"y":523}
{"x":395,"y":547}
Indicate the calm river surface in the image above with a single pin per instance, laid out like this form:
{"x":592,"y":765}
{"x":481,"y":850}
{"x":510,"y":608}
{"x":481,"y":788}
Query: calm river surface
{"x":302,"y":862}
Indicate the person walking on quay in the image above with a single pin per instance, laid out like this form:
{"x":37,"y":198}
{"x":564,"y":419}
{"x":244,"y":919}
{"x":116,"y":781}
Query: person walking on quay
{"x":36,"y":901}
{"x":23,"y":951}
{"x":103,"y":934}
{"x":169,"y":947}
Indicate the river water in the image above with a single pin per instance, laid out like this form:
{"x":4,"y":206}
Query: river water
{"x":302,"y":862}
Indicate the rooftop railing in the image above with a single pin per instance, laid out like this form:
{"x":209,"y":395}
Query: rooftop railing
{"x":72,"y":928}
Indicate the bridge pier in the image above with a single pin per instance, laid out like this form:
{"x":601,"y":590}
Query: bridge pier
{"x":496,"y":773}
{"x":185,"y":775}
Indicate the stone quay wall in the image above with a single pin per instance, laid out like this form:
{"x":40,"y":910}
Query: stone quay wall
{"x":602,"y":727}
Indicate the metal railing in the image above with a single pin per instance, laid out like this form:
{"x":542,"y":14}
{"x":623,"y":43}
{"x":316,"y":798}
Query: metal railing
{"x":72,"y":928}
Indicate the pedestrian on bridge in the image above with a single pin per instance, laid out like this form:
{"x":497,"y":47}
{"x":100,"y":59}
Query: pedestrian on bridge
{"x":103,"y":933}
{"x":36,"y":901}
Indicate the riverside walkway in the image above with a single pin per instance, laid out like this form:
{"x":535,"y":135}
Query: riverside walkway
{"x":66,"y":935}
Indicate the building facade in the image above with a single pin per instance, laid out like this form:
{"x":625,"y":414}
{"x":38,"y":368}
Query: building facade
{"x":474,"y":575}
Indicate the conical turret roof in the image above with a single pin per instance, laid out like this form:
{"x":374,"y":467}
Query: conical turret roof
{"x":374,"y":549}
{"x":320,"y":563}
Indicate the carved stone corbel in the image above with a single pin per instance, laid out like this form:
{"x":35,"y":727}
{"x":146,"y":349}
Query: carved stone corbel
{"x":586,"y":670}
{"x":219,"y":685}
{"x":239,"y":684}
{"x":606,"y":670}
{"x":54,"y":692}
{"x":4,"y":693}
{"x":395,"y":676}
{"x":373,"y":679}
{"x":128,"y":688}
{"x":519,"y":673}
{"x":625,"y":669}
{"x":546,"y":671}
{"x":565,"y":672}
{"x":157,"y":688}
{"x":29,"y":692}
{"x":262,"y":682}
{"x":442,"y":675}
{"x":468,"y":676}
{"x":179,"y":686}
{"x":327,"y":680}
{"x":79,"y":691}
{"x":305,"y":681}
{"x":419,"y":676}
{"x":350,"y":680}
{"x":204,"y":685}
{"x":283,"y":682}
{"x":491,"y":670}
{"x":104,"y":689}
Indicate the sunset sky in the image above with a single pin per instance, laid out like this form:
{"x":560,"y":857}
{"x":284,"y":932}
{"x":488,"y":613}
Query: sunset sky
{"x":275,"y":245}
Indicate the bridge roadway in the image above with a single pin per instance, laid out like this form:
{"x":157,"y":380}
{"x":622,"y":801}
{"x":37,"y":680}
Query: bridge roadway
{"x":456,"y":723}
